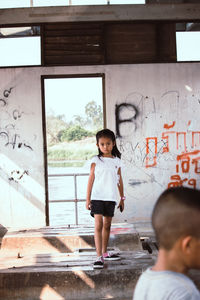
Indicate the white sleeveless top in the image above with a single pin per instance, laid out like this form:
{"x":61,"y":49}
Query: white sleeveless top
{"x":106,"y":178}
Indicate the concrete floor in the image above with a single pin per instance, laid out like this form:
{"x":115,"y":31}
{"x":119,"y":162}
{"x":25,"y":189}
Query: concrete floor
{"x":66,"y":239}
{"x":57,"y":263}
{"x":70,"y":276}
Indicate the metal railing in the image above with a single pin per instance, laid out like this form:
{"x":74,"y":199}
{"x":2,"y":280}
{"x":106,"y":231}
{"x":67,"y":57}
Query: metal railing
{"x":75,"y":199}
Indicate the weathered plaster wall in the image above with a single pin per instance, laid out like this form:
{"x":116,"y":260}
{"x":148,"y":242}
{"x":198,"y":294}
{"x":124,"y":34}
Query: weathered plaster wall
{"x":153,"y":108}
{"x":160,"y":140}
{"x":21,"y":143}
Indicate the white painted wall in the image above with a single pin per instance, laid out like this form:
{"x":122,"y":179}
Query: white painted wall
{"x":166,"y":98}
{"x":22,"y":198}
{"x":165,"y":95}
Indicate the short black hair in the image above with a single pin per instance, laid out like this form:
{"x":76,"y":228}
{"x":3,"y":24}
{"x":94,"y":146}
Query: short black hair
{"x":176,"y":214}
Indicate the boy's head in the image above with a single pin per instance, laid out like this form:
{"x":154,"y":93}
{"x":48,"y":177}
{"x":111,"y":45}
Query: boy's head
{"x":176,"y":215}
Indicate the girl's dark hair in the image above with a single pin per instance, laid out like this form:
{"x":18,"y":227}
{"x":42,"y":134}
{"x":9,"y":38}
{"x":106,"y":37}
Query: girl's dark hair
{"x":108,"y":134}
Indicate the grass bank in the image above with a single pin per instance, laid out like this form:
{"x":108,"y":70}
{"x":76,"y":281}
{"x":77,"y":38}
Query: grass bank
{"x":74,"y":152}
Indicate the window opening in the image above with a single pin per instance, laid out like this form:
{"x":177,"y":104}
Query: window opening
{"x":127,"y":2}
{"x":51,"y":3}
{"x":35,"y":3}
{"x":14,"y":3}
{"x":188,"y":41}
{"x":73,"y":115}
{"x":20,"y":46}
{"x":106,"y":2}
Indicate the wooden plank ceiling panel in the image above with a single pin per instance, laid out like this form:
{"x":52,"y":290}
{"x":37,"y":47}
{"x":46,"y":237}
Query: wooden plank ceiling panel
{"x":73,"y":44}
{"x":73,"y":59}
{"x":130,"y":43}
{"x":108,"y":43}
{"x":167,"y":42}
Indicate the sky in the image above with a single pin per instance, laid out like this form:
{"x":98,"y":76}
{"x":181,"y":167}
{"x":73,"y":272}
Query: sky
{"x":20,"y":51}
{"x":188,"y":46}
{"x":26,"y":3}
{"x":69,"y":96}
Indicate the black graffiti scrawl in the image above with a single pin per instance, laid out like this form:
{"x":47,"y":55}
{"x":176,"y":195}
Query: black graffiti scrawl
{"x":119,"y":108}
{"x":6,"y":94}
{"x":8,"y":133}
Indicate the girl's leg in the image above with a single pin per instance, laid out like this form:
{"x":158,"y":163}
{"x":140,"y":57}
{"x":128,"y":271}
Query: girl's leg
{"x":106,"y":233}
{"x":98,"y":233}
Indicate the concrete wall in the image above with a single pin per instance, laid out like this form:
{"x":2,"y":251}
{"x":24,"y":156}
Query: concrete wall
{"x":22,"y":198}
{"x":160,"y":141}
{"x":153,"y":108}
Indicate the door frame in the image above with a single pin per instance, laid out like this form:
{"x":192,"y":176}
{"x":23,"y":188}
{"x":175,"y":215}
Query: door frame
{"x":43,"y":77}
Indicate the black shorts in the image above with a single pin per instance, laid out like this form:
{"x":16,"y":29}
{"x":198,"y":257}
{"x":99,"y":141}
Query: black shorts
{"x":105,"y":208}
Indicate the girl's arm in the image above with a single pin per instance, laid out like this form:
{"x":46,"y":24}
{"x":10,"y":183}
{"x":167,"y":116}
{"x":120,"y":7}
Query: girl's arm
{"x":90,"y":185}
{"x":121,"y":190}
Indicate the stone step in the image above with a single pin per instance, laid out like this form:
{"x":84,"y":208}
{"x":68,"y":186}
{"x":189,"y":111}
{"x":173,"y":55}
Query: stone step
{"x":66,"y":239}
{"x":59,"y":276}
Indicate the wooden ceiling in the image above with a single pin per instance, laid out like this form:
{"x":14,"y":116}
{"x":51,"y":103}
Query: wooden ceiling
{"x":96,"y":43}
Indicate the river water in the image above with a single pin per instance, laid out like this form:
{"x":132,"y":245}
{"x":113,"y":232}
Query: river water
{"x":62,"y":188}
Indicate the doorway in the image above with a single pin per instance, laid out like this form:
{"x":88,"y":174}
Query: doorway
{"x":73,"y":111}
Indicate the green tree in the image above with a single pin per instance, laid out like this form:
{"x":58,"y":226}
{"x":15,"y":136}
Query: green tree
{"x":75,"y":133}
{"x":54,"y":124}
{"x":79,"y":121}
{"x":94,"y":114}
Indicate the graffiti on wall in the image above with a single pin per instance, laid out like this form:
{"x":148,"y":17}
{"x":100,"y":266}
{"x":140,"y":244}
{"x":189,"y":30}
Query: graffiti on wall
{"x":17,"y":175}
{"x":9,"y":132}
{"x":120,"y":120}
{"x":4,"y":98}
{"x":186,"y":162}
{"x":166,"y":143}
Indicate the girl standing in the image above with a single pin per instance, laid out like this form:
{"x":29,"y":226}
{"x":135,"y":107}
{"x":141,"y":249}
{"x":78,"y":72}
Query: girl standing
{"x":105,"y":177}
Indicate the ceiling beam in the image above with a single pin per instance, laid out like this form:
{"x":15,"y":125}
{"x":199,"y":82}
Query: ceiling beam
{"x":148,"y":12}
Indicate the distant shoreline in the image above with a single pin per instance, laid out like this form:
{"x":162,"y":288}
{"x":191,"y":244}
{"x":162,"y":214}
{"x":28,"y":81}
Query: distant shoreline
{"x":66,"y":163}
